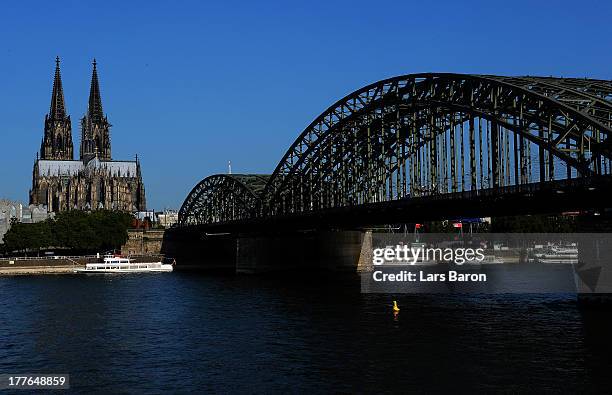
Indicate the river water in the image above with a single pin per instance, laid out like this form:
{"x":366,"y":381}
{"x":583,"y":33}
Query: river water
{"x":177,"y":333}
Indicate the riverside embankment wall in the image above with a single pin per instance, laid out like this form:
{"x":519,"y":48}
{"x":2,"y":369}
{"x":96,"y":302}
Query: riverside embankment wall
{"x":56,"y":264}
{"x":44,"y":265}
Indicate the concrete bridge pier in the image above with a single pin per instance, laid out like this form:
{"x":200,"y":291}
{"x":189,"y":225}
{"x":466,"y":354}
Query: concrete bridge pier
{"x":348,"y":251}
{"x":198,"y":250}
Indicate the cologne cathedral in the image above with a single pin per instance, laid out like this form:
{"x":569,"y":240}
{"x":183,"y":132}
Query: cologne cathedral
{"x":95,"y":180}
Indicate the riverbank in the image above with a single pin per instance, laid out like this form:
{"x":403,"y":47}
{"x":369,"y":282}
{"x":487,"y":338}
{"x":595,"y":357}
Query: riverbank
{"x":31,"y":270}
{"x":54,"y":264}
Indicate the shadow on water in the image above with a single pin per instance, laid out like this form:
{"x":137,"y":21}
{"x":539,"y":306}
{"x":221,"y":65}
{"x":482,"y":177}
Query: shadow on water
{"x":598,"y":343}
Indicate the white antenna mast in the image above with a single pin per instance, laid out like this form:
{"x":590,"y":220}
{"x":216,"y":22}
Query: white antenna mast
{"x":229,"y":167}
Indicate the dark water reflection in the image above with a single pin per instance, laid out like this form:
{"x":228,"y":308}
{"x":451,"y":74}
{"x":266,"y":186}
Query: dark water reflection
{"x":179,"y":333}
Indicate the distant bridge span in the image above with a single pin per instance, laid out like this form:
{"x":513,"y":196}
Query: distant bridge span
{"x":472,"y":142}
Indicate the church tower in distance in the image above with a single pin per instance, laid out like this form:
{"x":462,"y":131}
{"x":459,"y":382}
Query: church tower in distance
{"x":95,"y":135}
{"x":57,"y":139}
{"x":94,"y":181}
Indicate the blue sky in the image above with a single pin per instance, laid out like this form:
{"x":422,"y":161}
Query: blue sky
{"x":189,"y":85}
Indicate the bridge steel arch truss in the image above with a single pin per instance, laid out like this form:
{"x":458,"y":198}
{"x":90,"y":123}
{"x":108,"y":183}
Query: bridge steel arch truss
{"x":424,"y":135}
{"x":222,"y":198}
{"x":429,"y":134}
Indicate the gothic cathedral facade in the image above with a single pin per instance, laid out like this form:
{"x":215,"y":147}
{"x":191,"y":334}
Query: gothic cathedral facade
{"x":95,"y":180}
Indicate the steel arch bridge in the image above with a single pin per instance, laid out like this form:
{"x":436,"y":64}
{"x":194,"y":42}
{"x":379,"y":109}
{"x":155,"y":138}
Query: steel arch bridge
{"x":223,"y":198}
{"x":425,"y":135}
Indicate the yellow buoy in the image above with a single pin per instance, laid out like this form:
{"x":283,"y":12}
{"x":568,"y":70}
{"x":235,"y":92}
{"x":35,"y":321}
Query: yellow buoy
{"x":395,"y":308}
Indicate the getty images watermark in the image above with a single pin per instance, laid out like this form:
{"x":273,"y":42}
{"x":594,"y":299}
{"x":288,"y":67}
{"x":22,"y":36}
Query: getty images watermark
{"x":487,"y":263}
{"x":414,"y":254}
{"x":404,"y":254}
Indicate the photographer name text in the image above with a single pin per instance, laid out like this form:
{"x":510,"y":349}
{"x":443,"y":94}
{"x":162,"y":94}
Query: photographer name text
{"x":421,"y":276}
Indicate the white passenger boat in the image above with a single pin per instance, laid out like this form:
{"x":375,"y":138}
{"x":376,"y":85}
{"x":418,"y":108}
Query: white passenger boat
{"x":113,"y":264}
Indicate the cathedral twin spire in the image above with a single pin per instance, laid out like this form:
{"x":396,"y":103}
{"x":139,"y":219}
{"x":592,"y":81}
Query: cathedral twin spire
{"x":95,"y":133}
{"x":95,"y":101}
{"x":57,"y":140}
{"x":58,"y":108}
